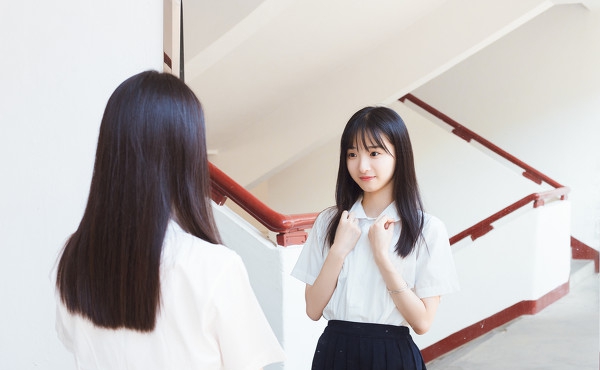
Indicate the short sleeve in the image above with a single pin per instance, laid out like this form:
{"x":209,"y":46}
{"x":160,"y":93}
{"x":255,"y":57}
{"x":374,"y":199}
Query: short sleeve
{"x":245,"y":338}
{"x":313,"y":253}
{"x":435,"y":270}
{"x":61,"y":319}
{"x":62,"y":315}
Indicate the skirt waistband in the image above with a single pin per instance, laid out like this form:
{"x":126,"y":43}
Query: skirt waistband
{"x":367,"y":329}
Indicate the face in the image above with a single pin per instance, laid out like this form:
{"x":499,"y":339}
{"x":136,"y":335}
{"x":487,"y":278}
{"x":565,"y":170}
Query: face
{"x":372,"y":168}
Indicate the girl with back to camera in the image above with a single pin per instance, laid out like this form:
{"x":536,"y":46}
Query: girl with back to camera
{"x":375,"y":263}
{"x":143,"y":282}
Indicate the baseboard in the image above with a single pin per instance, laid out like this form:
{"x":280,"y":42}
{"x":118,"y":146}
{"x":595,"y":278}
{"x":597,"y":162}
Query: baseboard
{"x":486,"y":325}
{"x":581,"y":251}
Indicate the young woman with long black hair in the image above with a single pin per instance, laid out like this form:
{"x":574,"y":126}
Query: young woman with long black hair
{"x":143,"y":282}
{"x":375,"y":263}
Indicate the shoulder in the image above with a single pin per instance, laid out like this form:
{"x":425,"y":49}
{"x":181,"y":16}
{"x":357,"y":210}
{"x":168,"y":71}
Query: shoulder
{"x":431,"y":222}
{"x":188,"y":251}
{"x":327,"y":214}
{"x":434,"y":230}
{"x":324,"y":219}
{"x":318,"y":233}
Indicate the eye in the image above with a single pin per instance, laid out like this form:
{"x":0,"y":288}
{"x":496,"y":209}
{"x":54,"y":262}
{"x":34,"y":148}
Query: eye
{"x":375,"y":154}
{"x":351,"y":155}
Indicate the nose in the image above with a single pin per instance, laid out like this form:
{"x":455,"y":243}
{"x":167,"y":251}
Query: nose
{"x":364,"y":163}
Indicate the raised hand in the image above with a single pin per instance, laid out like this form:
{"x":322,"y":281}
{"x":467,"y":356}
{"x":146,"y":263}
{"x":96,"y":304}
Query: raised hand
{"x":319,"y":293}
{"x":380,"y":235}
{"x":347,"y":233}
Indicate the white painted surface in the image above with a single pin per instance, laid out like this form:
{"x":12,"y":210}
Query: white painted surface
{"x":63,"y":59}
{"x":280,"y":295}
{"x":60,"y":62}
{"x":301,"y":333}
{"x":526,"y":256}
{"x":536,"y":94}
{"x":293,"y":95}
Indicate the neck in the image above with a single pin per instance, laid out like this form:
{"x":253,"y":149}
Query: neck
{"x":374,"y":204}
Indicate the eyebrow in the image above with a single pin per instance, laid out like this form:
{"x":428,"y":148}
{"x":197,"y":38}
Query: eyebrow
{"x":368,"y":147}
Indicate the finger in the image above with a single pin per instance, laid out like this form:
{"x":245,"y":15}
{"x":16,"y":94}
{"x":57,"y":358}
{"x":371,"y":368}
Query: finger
{"x":383,"y":219}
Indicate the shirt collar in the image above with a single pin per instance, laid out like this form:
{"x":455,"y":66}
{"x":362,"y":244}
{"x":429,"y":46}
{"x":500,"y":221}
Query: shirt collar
{"x":359,"y":211}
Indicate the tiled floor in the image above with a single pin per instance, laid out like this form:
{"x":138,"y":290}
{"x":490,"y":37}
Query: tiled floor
{"x":563,"y":336}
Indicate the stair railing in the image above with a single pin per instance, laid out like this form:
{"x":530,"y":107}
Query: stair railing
{"x":290,"y":228}
{"x":483,"y":227}
{"x":468,"y":135}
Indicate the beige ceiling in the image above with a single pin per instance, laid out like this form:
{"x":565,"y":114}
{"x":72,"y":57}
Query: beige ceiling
{"x":278,"y":78}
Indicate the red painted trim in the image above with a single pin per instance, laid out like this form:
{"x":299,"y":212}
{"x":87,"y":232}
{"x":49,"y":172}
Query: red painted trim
{"x":483,"y":227}
{"x":533,"y":177}
{"x":484,"y":326}
{"x":581,"y":251}
{"x":290,"y":227}
{"x":291,"y":231}
{"x":167,"y":60}
{"x":292,"y":238}
{"x":463,"y":132}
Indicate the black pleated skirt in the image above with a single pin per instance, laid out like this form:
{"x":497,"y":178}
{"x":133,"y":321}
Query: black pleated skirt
{"x":346,"y":345}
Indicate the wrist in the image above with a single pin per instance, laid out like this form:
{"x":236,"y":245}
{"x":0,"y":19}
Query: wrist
{"x":402,"y":287}
{"x":336,"y":252}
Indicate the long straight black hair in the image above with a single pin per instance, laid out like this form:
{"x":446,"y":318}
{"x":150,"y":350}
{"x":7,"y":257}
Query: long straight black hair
{"x":151,"y":165}
{"x":373,"y":124}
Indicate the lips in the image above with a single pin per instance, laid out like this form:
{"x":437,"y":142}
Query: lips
{"x":366,"y":178}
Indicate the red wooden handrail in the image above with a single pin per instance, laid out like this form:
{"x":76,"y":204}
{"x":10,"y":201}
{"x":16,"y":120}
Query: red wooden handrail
{"x":290,"y":227}
{"x":468,"y":135}
{"x":483,"y":227}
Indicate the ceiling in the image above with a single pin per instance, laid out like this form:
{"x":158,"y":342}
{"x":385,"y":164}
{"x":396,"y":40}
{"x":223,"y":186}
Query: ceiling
{"x":279,"y":78}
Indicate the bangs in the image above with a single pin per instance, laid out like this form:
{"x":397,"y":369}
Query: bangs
{"x":364,"y":136}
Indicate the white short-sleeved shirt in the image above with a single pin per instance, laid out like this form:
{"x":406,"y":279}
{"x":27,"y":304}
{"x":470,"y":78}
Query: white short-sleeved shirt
{"x":209,"y":318}
{"x":361,"y":294}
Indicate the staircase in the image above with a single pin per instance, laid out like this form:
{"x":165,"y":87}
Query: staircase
{"x":562,"y":336}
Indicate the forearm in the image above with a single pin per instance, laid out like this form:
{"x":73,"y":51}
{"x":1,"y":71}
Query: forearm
{"x":419,"y":313}
{"x":318,"y":295}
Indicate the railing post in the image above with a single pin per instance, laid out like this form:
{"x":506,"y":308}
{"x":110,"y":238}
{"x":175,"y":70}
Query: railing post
{"x":296,"y":237}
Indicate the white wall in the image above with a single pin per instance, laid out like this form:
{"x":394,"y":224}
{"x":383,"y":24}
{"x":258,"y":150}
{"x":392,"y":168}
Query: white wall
{"x":308,"y":185}
{"x":524,"y":258}
{"x":536,"y":94}
{"x":277,"y":104}
{"x":474,"y":93}
{"x":526,"y":255}
{"x":459,"y":184}
{"x":280,"y":295}
{"x":60,"y":62}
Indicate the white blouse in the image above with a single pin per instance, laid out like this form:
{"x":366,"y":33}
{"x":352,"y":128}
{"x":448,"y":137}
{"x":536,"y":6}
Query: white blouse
{"x":361,"y":294}
{"x":209,"y":318}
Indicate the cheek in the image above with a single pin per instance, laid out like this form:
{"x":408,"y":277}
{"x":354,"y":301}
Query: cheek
{"x":350,"y":166}
{"x":392,"y":165}
{"x":353,"y":172}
